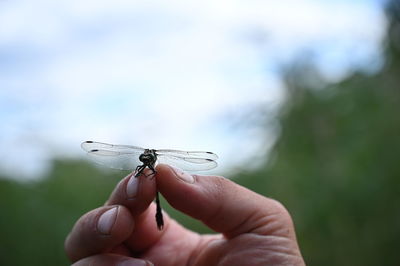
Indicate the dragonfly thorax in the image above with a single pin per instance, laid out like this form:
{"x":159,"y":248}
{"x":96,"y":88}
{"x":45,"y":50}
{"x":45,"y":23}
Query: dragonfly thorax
{"x":148,"y":157}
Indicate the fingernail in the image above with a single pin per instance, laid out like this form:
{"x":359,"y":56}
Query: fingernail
{"x":135,"y":262}
{"x":107,"y":220}
{"x":183,"y":175}
{"x":132,"y":186}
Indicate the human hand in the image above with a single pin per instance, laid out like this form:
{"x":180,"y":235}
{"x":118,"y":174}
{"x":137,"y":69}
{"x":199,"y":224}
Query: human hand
{"x":252,"y":229}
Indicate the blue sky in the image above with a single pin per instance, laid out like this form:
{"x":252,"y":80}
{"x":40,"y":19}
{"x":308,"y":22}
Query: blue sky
{"x":161,"y":74}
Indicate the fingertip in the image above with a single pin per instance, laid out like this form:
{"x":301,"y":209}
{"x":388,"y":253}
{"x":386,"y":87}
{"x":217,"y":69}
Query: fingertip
{"x":136,"y":193}
{"x":163,"y":170}
{"x":177,"y":173}
{"x":184,"y":193}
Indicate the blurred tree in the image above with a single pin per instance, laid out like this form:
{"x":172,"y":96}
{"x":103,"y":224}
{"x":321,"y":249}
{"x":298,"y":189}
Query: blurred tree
{"x":336,"y":163}
{"x":36,"y":217}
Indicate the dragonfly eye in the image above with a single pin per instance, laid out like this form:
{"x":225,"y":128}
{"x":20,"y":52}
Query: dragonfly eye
{"x":147,"y":158}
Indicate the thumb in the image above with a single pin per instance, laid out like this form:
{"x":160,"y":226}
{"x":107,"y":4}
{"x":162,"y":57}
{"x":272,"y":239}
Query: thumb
{"x":223,"y":205}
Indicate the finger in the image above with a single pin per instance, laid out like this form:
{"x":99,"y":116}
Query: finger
{"x":98,"y":231}
{"x":137,"y":194}
{"x":223,"y":205}
{"x":111,"y":260}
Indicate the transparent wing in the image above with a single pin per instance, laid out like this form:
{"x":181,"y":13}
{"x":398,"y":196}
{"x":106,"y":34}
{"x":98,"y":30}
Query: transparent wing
{"x":116,"y":160}
{"x":187,"y":163}
{"x":126,"y":157}
{"x":193,"y":154}
{"x":93,"y":145}
{"x":122,"y":157}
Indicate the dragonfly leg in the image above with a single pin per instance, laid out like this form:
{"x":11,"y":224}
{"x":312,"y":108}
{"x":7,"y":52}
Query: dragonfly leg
{"x":139,"y":169}
{"x":151,"y":167}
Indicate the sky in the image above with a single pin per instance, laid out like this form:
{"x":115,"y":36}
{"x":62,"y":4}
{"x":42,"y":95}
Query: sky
{"x":163,"y":74}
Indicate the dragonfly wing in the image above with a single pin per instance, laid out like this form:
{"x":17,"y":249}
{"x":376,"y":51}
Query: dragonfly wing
{"x":194,"y":154}
{"x":116,"y":160}
{"x":94,"y":145}
{"x":126,"y":157}
{"x":122,"y":157}
{"x":187,"y":163}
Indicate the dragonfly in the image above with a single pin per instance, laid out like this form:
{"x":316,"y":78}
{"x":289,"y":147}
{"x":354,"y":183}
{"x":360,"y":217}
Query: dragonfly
{"x":137,"y":159}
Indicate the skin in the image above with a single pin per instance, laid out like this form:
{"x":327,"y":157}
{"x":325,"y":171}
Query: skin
{"x":250,"y":229}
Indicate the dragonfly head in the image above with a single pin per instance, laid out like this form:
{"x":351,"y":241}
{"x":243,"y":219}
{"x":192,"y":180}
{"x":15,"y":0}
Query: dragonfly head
{"x":148,"y":157}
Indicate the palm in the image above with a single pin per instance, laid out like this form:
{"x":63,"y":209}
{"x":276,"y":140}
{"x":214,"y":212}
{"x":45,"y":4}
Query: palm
{"x":179,"y":246}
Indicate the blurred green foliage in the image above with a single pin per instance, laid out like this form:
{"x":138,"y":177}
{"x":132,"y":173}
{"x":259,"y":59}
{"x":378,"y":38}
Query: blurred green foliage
{"x":335,"y":166}
{"x":37,"y":216}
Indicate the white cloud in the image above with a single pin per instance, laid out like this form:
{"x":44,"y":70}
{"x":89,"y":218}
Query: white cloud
{"x":157,"y":73}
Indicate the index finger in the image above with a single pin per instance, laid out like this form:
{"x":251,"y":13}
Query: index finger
{"x":222,"y":205}
{"x":137,"y":194}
